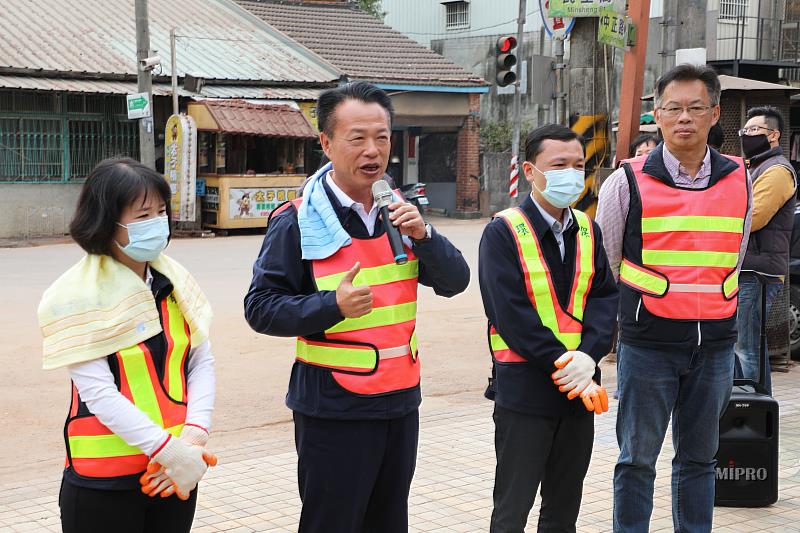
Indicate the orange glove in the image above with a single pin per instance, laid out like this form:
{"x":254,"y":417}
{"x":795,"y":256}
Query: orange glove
{"x":594,"y":398}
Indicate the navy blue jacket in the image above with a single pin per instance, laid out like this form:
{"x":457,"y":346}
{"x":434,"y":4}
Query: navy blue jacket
{"x":528,"y":387}
{"x":282,"y":301}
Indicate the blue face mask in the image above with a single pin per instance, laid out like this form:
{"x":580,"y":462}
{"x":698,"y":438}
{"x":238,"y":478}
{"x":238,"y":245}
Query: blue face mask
{"x":564,"y":186}
{"x":146,"y":239}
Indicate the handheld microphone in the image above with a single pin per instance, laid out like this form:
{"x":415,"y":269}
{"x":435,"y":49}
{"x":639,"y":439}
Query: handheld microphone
{"x":382,"y":194}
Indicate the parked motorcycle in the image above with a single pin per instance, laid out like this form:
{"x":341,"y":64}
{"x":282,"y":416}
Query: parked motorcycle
{"x":415,"y":194}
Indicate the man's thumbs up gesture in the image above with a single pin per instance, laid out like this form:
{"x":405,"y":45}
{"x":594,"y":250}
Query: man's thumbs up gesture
{"x":353,"y":301}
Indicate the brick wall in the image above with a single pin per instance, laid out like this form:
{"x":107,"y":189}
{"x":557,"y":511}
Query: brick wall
{"x":467,"y":162}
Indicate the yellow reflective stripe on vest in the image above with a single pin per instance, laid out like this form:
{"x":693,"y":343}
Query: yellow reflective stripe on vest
{"x":497,"y":343}
{"x":103,"y":446}
{"x":346,"y":356}
{"x":180,"y":342}
{"x":583,"y":261}
{"x":540,"y":285}
{"x":692,"y":223}
{"x":730,"y":285}
{"x":413,"y":345}
{"x":379,"y":275}
{"x":570,"y":340}
{"x":380,"y":316}
{"x":142,"y":389}
{"x":648,"y":281}
{"x":689,"y":258}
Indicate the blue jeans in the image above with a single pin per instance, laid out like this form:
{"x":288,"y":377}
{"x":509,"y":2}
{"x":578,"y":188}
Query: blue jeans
{"x":748,"y":323}
{"x":693,"y":386}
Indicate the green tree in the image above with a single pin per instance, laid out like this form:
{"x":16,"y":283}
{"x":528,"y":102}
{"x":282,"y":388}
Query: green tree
{"x":496,"y":136}
{"x":373,"y":7}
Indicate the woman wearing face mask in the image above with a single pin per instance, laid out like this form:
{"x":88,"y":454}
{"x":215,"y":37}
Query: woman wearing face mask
{"x":551,"y":301}
{"x":131,"y":326}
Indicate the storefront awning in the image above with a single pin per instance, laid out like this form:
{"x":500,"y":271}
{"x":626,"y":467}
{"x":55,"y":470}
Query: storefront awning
{"x":238,"y":116}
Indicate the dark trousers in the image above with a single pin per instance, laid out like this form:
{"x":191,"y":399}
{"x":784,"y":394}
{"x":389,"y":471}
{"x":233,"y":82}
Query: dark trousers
{"x":354,"y":475}
{"x":553,"y":451}
{"x":123,"y":511}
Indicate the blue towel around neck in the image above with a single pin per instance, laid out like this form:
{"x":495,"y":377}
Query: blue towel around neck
{"x":321,"y":233}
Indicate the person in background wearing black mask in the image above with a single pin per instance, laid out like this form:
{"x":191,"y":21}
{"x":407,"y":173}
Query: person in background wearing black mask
{"x":774,"y":184}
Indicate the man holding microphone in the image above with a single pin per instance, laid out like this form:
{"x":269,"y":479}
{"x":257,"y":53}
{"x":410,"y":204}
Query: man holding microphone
{"x":329,"y":275}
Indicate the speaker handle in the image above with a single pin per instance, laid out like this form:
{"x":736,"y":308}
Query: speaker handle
{"x":761,"y":385}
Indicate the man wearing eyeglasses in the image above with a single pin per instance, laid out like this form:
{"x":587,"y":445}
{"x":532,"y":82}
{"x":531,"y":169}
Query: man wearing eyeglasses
{"x":774,"y":184}
{"x":675,"y":226}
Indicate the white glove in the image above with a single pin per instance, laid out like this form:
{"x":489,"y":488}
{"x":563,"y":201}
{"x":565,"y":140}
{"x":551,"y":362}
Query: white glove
{"x":575,"y":372}
{"x":194,"y":435}
{"x":156,"y":481}
{"x":183,"y":464}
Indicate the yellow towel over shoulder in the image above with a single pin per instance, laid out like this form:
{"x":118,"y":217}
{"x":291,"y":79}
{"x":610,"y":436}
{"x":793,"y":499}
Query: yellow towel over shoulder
{"x":100,"y":306}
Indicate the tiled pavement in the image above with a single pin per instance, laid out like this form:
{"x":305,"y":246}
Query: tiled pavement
{"x":254,"y":488}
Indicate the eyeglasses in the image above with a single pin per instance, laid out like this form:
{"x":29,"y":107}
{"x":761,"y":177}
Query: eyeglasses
{"x":752,"y":130}
{"x":694,"y":110}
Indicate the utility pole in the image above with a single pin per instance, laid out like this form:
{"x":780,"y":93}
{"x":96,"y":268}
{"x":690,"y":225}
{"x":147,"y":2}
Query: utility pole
{"x":630,"y":102}
{"x":588,"y":83}
{"x":683,"y":25}
{"x":147,"y":150}
{"x":515,"y":166}
{"x":587,"y":86}
{"x":558,"y":66}
{"x":174,"y":70}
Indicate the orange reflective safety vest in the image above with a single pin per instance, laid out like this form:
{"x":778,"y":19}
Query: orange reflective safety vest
{"x":95,"y":451}
{"x":566,"y":324}
{"x":376,"y":353}
{"x":690,"y":244}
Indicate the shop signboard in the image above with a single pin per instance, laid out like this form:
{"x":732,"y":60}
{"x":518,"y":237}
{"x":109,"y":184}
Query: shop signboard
{"x":180,"y":166}
{"x":309,"y":109}
{"x":257,"y":202}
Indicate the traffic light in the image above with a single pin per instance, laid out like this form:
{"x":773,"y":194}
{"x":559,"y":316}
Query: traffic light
{"x":505,"y":60}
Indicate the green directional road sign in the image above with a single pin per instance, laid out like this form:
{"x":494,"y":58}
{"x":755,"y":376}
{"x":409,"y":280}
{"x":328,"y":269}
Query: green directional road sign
{"x":137,"y":103}
{"x":138,"y":106}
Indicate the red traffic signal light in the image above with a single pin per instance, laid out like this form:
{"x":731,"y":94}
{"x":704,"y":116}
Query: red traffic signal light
{"x":506,"y":44}
{"x":504,"y":60}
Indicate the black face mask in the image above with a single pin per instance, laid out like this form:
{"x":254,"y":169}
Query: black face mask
{"x":752,"y":145}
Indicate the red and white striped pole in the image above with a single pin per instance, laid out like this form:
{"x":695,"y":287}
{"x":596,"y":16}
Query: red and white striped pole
{"x":513,"y":178}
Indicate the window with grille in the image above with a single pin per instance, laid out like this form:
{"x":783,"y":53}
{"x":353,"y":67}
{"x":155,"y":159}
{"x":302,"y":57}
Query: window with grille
{"x":57,"y":138}
{"x":457,"y":15}
{"x":732,"y":9}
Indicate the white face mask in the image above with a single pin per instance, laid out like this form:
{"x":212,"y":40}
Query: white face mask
{"x":146,"y":239}
{"x":564,"y":186}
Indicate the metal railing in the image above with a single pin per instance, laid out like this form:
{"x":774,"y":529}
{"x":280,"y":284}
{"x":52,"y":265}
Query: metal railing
{"x":742,"y":37}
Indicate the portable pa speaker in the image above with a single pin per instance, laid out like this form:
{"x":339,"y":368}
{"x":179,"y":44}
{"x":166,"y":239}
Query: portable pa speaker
{"x":747,"y":458}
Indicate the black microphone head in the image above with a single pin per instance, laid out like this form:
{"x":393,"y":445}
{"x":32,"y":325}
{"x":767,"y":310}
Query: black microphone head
{"x":381,"y":193}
